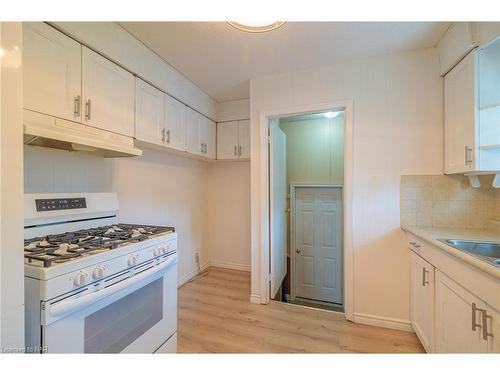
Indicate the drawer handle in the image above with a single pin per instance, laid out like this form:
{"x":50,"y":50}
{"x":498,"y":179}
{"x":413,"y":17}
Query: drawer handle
{"x":424,"y":281}
{"x":474,"y":323}
{"x":486,"y":334}
{"x":414,"y":244}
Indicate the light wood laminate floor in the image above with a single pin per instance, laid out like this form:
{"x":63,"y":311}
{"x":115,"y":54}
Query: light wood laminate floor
{"x":215,"y":316}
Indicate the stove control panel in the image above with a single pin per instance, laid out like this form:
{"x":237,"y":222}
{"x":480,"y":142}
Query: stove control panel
{"x":60,"y":204}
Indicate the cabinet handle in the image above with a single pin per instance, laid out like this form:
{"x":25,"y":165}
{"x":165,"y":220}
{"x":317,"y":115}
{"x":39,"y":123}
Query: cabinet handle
{"x":414,"y":244}
{"x":424,"y":281}
{"x":486,"y":334}
{"x":474,"y":324}
{"x":76,"y":112}
{"x":239,"y":151}
{"x":235,"y":152}
{"x":163,"y":135}
{"x":88,"y":109}
{"x":202,"y":147}
{"x":468,"y":155}
{"x":168,"y":136}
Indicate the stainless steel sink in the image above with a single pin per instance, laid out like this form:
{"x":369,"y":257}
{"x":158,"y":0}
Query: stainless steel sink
{"x":487,"y":251}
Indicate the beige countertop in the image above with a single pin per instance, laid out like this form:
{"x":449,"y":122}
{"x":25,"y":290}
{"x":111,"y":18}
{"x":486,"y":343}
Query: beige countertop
{"x":431,"y":235}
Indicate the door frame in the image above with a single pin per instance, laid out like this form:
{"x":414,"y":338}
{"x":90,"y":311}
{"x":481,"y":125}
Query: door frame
{"x":260,"y":200}
{"x":293,"y":186}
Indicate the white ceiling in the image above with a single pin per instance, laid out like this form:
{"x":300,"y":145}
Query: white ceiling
{"x":221,"y":60}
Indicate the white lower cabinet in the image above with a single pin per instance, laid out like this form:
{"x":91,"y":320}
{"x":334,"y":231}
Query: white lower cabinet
{"x":422,"y":300}
{"x":445,"y":315}
{"x":459,"y":315}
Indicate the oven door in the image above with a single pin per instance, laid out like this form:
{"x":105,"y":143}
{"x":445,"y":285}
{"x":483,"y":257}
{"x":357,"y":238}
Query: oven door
{"x":135,"y":315}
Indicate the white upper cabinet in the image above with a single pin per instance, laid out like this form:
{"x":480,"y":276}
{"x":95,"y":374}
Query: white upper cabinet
{"x":233,"y":140}
{"x":149,"y":113}
{"x":244,"y":139}
{"x":175,"y":123}
{"x":422,"y":300}
{"x":51,"y":72}
{"x":459,"y":105}
{"x":193,"y":127}
{"x":227,"y":140}
{"x":108,"y":94}
{"x":200,"y":134}
{"x":472,"y":112}
{"x":208,"y":137}
{"x":458,"y":40}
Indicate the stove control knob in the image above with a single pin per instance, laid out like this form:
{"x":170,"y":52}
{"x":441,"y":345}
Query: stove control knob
{"x":157,"y":251}
{"x":80,"y":279}
{"x":132,"y":260}
{"x":98,"y":273}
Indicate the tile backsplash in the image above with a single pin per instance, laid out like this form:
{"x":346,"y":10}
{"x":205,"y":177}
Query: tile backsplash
{"x":449,"y":202}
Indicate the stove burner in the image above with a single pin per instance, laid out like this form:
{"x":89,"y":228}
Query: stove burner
{"x":64,"y":247}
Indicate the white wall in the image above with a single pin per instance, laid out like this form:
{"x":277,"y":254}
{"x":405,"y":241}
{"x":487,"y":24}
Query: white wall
{"x":156,"y":188}
{"x":229,"y":214}
{"x":11,"y":197}
{"x":398,"y":129}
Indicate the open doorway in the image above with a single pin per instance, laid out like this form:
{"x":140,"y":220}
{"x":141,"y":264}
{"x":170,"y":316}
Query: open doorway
{"x":306,"y":180}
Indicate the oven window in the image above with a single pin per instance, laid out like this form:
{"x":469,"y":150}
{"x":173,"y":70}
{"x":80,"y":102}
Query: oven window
{"x":116,"y":326}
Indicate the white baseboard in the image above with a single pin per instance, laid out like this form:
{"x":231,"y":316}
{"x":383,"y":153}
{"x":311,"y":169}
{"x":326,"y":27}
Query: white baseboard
{"x":230,"y":265}
{"x":186,"y":278}
{"x":255,"y":298}
{"x":381,"y":321}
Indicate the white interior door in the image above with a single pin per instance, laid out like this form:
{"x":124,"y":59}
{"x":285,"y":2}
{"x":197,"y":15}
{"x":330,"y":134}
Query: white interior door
{"x":318,"y":241}
{"x":278,"y":205}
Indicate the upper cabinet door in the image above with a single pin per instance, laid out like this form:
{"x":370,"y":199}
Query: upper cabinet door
{"x":51,"y":72}
{"x":227,"y":140}
{"x":175,"y":123}
{"x":108,"y":94}
{"x":460,"y":116}
{"x":193,"y":128}
{"x":244,"y":139}
{"x":209,"y":138}
{"x":149,"y":113}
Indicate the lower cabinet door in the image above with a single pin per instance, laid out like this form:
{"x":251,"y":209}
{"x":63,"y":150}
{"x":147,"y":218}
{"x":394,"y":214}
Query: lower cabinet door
{"x":422,"y":300}
{"x":459,"y":326}
{"x":493,"y":330}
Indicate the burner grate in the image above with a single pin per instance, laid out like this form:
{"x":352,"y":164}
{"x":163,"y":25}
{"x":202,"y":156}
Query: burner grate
{"x":68,"y":246}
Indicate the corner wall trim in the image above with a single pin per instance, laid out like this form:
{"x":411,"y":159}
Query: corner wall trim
{"x":381,"y":321}
{"x":255,"y":298}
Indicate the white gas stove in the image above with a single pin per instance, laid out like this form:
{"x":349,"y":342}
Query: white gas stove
{"x":94,"y":285}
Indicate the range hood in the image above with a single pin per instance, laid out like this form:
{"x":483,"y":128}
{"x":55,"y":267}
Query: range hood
{"x":47,"y":131}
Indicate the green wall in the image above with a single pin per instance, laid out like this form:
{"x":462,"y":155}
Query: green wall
{"x":315,"y":150}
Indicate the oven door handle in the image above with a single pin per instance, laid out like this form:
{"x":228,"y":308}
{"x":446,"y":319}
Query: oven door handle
{"x":74,"y":304}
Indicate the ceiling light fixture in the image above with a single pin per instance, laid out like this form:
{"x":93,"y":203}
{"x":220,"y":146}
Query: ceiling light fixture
{"x":256,"y":27}
{"x":332,"y":114}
